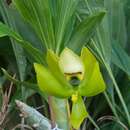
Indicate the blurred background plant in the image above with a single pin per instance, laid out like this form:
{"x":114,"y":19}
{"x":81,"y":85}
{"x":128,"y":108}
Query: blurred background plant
{"x":109,"y":41}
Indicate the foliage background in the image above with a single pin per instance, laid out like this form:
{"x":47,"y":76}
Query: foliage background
{"x":112,"y":40}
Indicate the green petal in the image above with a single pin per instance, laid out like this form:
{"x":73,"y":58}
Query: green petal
{"x":53,"y":63}
{"x":70,"y":62}
{"x":93,"y":82}
{"x":78,"y":113}
{"x":47,"y":83}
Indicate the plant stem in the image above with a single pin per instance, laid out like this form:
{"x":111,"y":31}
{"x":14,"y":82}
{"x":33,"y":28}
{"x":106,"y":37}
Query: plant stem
{"x":89,"y":9}
{"x":111,"y":105}
{"x":60,"y":112}
{"x":93,"y":122}
{"x":51,"y":112}
{"x":119,"y":94}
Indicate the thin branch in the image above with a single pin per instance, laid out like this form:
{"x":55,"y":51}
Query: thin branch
{"x":33,"y":117}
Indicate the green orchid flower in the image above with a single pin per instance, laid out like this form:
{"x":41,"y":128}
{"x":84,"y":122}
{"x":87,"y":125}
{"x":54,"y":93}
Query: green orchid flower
{"x":71,"y":76}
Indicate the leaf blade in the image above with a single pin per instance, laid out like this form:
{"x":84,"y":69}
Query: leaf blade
{"x":35,"y":53}
{"x":120,"y":58}
{"x":38,"y":14}
{"x":84,"y":30}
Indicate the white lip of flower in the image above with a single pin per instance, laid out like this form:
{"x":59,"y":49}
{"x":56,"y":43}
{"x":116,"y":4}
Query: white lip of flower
{"x":71,"y":64}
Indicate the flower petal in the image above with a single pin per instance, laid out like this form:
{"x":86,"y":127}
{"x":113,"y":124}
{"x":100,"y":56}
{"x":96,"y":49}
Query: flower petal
{"x":70,"y":62}
{"x":53,"y":63}
{"x":78,"y":113}
{"x":93,"y":82}
{"x":47,"y":83}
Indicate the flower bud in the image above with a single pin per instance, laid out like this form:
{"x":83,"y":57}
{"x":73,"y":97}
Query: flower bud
{"x":72,"y":66}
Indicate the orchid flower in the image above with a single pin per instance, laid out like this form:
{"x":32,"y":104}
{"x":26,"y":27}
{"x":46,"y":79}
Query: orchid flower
{"x":71,"y":76}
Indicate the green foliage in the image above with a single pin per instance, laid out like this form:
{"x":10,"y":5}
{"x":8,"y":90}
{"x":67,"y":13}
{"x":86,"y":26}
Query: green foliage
{"x":35,"y":53}
{"x":35,"y":26}
{"x":38,"y":15}
{"x":57,"y":86}
{"x":120,"y":58}
{"x":84,"y":30}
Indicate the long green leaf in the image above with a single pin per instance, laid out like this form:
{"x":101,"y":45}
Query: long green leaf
{"x":35,"y":53}
{"x":63,"y":11}
{"x":120,"y":58}
{"x":38,"y":15}
{"x":117,"y":29}
{"x":84,"y":30}
{"x":18,"y":50}
{"x":103,"y":49}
